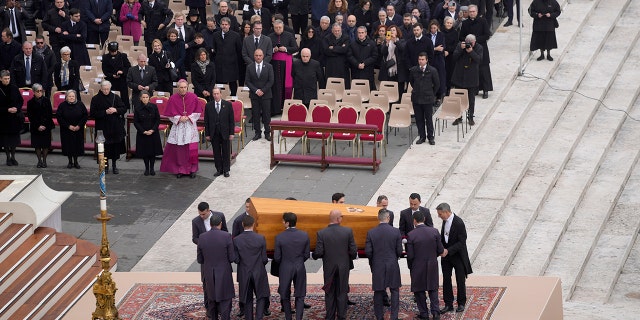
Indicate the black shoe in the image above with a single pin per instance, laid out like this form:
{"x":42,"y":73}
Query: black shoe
{"x":77,"y":166}
{"x":179,"y":175}
{"x":436,"y":316}
{"x":508,"y":23}
{"x":226,"y":174}
{"x":39,"y":164}
{"x":256,"y":137}
{"x":268,"y":137}
{"x":421,"y":141}
{"x":14,"y":162}
{"x":44,"y":164}
{"x":217,"y":174}
{"x":240,"y":314}
{"x":456,"y":122}
{"x":550,"y":58}
{"x":432,"y":142}
{"x":351,"y":303}
{"x":386,"y":302}
{"x":9,"y":163}
{"x":471,"y":122}
{"x":152,"y":172}
{"x":266,"y":312}
{"x":446,"y":309}
{"x":70,"y":165}
{"x":541,"y":57}
{"x":485,"y":95}
{"x":115,"y":170}
{"x":192,"y":175}
{"x":146,"y":172}
{"x":460,"y":308}
{"x":307,"y":306}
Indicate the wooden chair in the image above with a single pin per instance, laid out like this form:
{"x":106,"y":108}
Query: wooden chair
{"x":322,"y":114}
{"x":238,"y":118}
{"x":296,"y":112}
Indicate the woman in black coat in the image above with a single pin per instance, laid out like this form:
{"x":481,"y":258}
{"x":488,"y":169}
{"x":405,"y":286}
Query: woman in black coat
{"x":177,"y":52}
{"x":11,"y":117}
{"x":41,"y":119}
{"x":203,"y":74}
{"x":364,"y":14}
{"x":394,"y":48}
{"x":72,"y":116}
{"x":545,"y":22}
{"x":108,"y":111}
{"x":159,"y":59}
{"x":73,"y":72}
{"x":311,"y":40}
{"x":245,"y":31}
{"x":115,"y":65}
{"x":450,"y":43}
{"x":146,"y":120}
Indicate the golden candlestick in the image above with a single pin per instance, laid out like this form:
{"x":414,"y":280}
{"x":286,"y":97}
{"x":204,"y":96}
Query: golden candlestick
{"x":104,"y":289}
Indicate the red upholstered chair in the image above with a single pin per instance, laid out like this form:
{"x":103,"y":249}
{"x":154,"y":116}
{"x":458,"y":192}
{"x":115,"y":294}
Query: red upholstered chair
{"x":321,"y":114}
{"x":56,"y":99}
{"x":27,"y":94}
{"x":296,"y":112}
{"x":348,"y":115}
{"x":238,"y":118}
{"x":202,"y":102}
{"x":161,"y":102}
{"x":377,"y":117}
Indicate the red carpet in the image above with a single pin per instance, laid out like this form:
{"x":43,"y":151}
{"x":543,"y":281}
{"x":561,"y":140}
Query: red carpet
{"x":184,"y":301}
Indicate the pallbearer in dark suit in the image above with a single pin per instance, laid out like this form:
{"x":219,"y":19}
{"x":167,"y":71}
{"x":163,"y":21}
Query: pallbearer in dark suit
{"x":251,"y":257}
{"x":259,"y":79}
{"x":292,"y":250}
{"x":423,"y":248}
{"x":455,"y":256}
{"x":219,"y":128}
{"x":141,"y":77}
{"x":215,"y":254}
{"x":337,"y":248}
{"x":383,"y":248}
{"x":406,"y":215}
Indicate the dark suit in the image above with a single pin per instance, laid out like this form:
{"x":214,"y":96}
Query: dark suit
{"x":228,"y":53}
{"x":237,"y":227}
{"x":265,"y":14}
{"x":426,"y":84}
{"x":457,"y":258}
{"x":38,"y":71}
{"x":414,"y":47}
{"x":292,"y":250}
{"x":219,"y":127}
{"x":406,"y":219}
{"x":215,"y":254}
{"x":74,"y":76}
{"x":21,"y":16}
{"x":337,"y":248}
{"x":383,"y":248}
{"x":251,"y":257}
{"x":307,"y":79}
{"x":51,"y":21}
{"x":154,"y":17}
{"x":423,"y":248}
{"x":188,"y":32}
{"x":97,"y":9}
{"x":249,"y":47}
{"x":397,"y":19}
{"x":134,"y":79}
{"x":261,"y":106}
{"x":76,"y":40}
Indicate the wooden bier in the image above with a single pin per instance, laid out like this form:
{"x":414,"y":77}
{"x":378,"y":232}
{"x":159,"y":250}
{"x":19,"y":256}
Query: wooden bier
{"x":312,"y":216}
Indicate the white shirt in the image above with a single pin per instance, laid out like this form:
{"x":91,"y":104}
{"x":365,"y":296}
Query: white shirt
{"x":259,"y":66}
{"x":207,"y":223}
{"x":447,"y":227}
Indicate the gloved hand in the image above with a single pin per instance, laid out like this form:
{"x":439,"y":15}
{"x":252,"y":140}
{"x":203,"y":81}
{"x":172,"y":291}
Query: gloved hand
{"x":130,"y":16}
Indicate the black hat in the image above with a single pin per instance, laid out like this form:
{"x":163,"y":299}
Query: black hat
{"x":193,"y":12}
{"x":112,"y":46}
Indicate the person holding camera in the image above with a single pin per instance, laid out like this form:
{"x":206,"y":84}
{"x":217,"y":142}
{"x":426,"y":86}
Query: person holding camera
{"x":467,"y":58}
{"x":479,"y":27}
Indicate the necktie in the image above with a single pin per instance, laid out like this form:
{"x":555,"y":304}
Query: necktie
{"x":65,"y":80}
{"x":218,"y":107}
{"x":151,"y":4}
{"x":28,"y":70}
{"x":13,"y":23}
{"x":259,"y":70}
{"x":141,"y":73}
{"x":257,"y":42}
{"x":73,"y":24}
{"x":180,"y":33}
{"x":422,"y":69}
{"x":258,"y":12}
{"x":223,"y":36}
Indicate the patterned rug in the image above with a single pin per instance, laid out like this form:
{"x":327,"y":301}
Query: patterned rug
{"x":184,"y":301}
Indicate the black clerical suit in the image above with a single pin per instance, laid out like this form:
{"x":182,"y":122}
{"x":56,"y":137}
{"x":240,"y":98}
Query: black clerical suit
{"x":457,"y":258}
{"x":406,"y":219}
{"x":291,"y":251}
{"x":383,"y":248}
{"x":219,"y":127}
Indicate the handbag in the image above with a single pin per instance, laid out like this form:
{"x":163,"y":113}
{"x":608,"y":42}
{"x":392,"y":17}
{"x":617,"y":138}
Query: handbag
{"x":389,"y":63}
{"x":173,"y":74}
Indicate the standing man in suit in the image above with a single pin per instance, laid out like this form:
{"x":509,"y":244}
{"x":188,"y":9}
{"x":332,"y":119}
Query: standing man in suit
{"x":97,"y":16}
{"x":257,"y":41}
{"x":185,"y":32}
{"x":251,"y":257}
{"x":292,"y":250}
{"x":215,"y":254}
{"x":383,"y":202}
{"x":337,"y":248}
{"x":28,"y":68}
{"x":455,"y":256}
{"x":219,"y":128}
{"x":259,"y":79}
{"x":156,"y":17}
{"x":227,"y":49}
{"x":416,"y":44}
{"x":406,"y":215}
{"x":74,"y":35}
{"x":335,"y":48}
{"x":13,"y":18}
{"x":392,"y":17}
{"x":141,"y":77}
{"x":9,"y":49}
{"x":425,"y":79}
{"x":264,"y":13}
{"x":52,"y":22}
{"x":383,"y":248}
{"x":423,"y":248}
{"x":237,"y":227}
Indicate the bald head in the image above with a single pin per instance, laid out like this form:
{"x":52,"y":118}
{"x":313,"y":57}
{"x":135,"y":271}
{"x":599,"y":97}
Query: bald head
{"x":335,"y":216}
{"x":305,"y":55}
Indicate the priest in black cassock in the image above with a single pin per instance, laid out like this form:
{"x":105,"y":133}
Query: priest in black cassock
{"x":308,"y":77}
{"x":284,"y":46}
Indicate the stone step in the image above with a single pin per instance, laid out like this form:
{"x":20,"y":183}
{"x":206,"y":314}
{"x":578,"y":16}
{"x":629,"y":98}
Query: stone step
{"x":499,"y":127}
{"x":24,"y":256}
{"x":607,"y":259}
{"x":5,"y":220}
{"x":12,"y":237}
{"x":520,"y":212}
{"x":626,"y":290}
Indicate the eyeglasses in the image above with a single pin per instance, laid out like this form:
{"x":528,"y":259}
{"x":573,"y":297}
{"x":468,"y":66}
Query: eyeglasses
{"x":38,"y":90}
{"x":39,"y":42}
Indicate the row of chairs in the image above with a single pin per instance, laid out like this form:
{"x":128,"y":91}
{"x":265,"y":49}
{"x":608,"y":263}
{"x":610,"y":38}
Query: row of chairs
{"x":454,"y":106}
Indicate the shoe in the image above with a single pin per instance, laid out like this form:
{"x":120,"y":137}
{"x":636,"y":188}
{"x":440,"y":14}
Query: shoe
{"x":44,"y":164}
{"x":456,"y":122}
{"x":115,"y":170}
{"x":550,"y":58}
{"x":267,"y":137}
{"x":541,"y":57}
{"x":256,"y":137}
{"x":471,"y":122}
{"x":70,"y":165}
{"x":351,"y":303}
{"x":432,"y":142}
{"x":179,"y":175}
{"x":436,"y":316}
{"x":508,"y":23}
{"x":420,"y":141}
{"x":266,"y":312}
{"x":192,"y":175}
{"x":14,"y":162}
{"x":386,"y":303}
{"x":226,"y":174}
{"x":240,"y":314}
{"x":146,"y":172}
{"x":446,"y":309}
{"x":152,"y":172}
{"x":39,"y":164}
{"x":307,"y":306}
{"x":77,"y":166}
{"x":460,"y":308}
{"x":9,"y":163}
{"x":217,"y":174}
{"x":485,"y":95}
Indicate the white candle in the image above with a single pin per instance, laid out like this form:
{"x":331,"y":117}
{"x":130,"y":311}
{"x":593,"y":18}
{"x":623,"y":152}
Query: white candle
{"x":103,"y":204}
{"x":100,"y":147}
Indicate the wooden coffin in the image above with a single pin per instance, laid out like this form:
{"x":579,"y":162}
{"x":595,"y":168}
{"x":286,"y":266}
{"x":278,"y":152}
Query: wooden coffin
{"x":312,"y":216}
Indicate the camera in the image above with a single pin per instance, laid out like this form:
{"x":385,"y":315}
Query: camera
{"x":452,"y":3}
{"x":467,"y":44}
